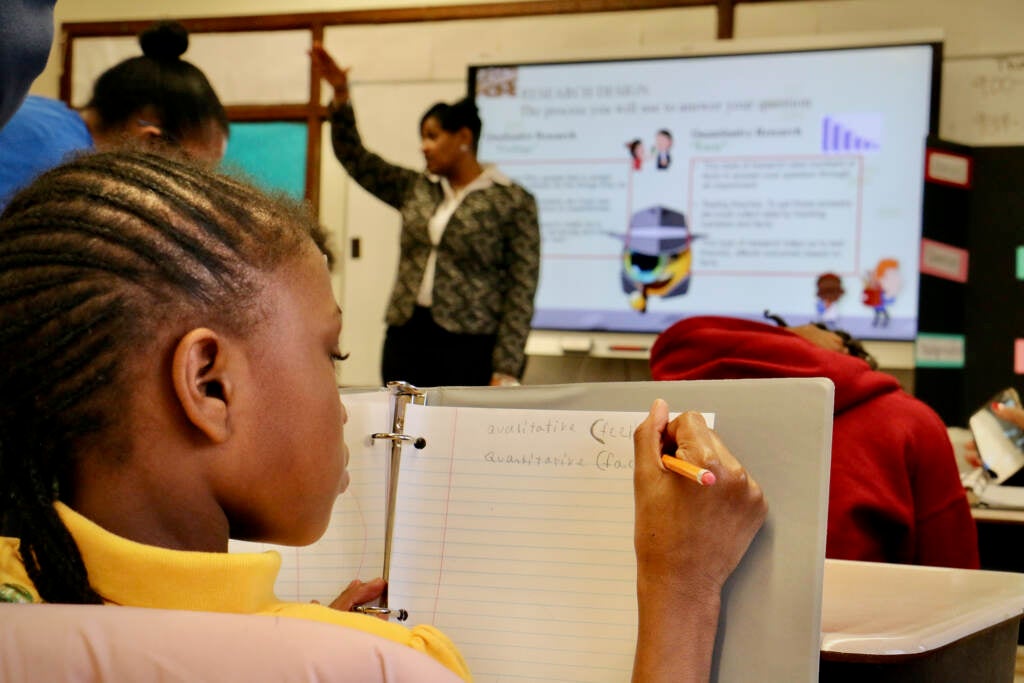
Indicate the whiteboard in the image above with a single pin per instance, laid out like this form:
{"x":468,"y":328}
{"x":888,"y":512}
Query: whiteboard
{"x":983,"y":100}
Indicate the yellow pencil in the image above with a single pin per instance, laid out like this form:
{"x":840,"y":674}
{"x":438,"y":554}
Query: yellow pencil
{"x":689,"y":470}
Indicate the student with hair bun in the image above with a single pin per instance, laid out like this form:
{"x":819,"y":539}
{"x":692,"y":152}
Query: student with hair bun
{"x":157,"y":100}
{"x":462,"y":302}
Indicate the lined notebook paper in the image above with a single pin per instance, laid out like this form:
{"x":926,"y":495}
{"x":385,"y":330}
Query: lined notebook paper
{"x":514,"y":535}
{"x":513,"y":528}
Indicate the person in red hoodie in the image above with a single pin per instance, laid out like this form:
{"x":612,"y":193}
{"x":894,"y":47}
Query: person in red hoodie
{"x":895,"y":492}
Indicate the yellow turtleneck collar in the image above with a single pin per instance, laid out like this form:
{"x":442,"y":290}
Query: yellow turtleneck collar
{"x":124,"y":572}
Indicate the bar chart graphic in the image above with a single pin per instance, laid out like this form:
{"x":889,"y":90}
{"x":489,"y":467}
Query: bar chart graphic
{"x":846,"y":133}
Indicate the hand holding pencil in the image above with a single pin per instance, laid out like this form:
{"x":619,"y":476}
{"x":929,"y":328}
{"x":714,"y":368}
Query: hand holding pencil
{"x":690,"y":533}
{"x":696,"y":473}
{"x":715,"y":499}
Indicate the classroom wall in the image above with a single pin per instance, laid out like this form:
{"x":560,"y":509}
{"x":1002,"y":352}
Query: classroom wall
{"x":982,"y":27}
{"x":973,"y":29}
{"x":111,"y":10}
{"x":983,"y":73}
{"x":427,"y":62}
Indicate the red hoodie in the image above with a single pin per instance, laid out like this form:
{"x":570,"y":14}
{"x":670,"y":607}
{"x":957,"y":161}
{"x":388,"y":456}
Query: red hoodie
{"x":895,"y":492}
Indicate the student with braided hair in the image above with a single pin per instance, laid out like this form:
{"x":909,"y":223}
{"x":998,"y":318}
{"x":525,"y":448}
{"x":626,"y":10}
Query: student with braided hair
{"x":168,"y":338}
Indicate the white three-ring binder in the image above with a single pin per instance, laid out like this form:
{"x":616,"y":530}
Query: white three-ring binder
{"x":503,"y":515}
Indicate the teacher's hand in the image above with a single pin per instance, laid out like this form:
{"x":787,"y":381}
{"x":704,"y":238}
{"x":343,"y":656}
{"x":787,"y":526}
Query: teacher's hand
{"x":500,"y":379}
{"x":331,"y":72}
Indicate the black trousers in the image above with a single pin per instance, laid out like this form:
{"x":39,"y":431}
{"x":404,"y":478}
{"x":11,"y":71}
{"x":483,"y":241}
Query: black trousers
{"x":425,"y":354}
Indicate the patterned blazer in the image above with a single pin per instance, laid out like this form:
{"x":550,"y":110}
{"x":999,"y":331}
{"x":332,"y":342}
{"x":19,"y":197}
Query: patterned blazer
{"x":488,"y":259}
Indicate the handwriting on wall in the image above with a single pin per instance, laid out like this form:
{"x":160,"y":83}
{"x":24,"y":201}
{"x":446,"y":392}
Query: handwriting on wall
{"x":983,"y":100}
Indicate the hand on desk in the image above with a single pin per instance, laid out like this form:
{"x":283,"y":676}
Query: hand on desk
{"x":688,"y":539}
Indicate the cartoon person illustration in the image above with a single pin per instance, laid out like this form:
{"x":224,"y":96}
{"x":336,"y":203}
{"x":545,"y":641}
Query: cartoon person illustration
{"x":829,"y":292}
{"x":662,"y":149}
{"x":881,"y":287}
{"x":656,"y":256}
{"x":636,"y":153}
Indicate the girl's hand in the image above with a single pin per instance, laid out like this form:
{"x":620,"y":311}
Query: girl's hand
{"x":687,"y":533}
{"x":358,"y":593}
{"x":688,"y":538}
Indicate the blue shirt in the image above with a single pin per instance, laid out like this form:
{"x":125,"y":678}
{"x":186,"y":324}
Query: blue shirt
{"x":25,"y":36}
{"x":40,"y":135}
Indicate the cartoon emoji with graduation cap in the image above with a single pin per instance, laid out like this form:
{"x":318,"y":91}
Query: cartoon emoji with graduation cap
{"x":656,"y":256}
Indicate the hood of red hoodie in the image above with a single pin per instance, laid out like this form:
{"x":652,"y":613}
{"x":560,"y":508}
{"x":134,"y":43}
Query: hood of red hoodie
{"x":711,"y":347}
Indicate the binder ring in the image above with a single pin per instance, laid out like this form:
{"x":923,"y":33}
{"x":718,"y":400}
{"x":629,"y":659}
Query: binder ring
{"x":418,"y":442}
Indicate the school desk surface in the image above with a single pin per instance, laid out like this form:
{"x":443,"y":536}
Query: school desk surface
{"x":889,"y":622}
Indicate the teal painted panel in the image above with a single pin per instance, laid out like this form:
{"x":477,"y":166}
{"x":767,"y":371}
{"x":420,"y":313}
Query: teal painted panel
{"x":271,"y":154}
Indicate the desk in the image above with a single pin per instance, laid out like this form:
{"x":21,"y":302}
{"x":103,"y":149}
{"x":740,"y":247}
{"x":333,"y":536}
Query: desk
{"x":997,"y":516}
{"x":905,"y":623}
{"x":1000,"y":538}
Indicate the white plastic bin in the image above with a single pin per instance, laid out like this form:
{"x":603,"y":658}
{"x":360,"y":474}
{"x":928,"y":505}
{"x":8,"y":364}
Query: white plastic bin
{"x":892,"y":622}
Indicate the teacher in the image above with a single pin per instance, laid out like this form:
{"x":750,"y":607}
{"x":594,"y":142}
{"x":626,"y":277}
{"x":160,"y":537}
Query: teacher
{"x":462,"y":301}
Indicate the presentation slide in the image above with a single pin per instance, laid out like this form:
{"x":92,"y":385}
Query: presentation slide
{"x":725,"y":185}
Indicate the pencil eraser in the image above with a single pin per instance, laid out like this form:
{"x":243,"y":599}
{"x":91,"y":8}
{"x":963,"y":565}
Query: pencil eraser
{"x":707,"y":479}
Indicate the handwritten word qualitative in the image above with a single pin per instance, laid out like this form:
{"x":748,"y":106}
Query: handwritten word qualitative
{"x":528,"y":427}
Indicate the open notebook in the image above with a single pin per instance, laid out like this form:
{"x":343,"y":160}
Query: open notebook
{"x":513,"y":524}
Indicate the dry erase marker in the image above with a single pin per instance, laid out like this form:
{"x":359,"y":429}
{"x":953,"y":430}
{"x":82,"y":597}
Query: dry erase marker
{"x":698,"y":474}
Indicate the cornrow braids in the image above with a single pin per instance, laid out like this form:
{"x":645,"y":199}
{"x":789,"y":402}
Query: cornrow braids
{"x":95,"y":256}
